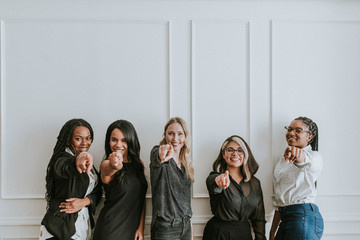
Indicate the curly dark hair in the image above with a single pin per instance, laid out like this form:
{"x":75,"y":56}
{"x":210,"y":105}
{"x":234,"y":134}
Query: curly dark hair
{"x":62,"y":142}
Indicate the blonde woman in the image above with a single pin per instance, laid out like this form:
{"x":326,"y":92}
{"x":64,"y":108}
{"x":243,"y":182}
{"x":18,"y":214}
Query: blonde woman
{"x":172,"y":173}
{"x":235,"y":194}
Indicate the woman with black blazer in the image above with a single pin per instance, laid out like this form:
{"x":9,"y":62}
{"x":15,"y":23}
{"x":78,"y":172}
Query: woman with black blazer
{"x":73,"y":189}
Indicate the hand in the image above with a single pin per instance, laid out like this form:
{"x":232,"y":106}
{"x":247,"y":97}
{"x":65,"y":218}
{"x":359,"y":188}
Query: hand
{"x":73,"y":205}
{"x":139,"y":235}
{"x":293,"y":154}
{"x":116,"y":160}
{"x":84,"y":162}
{"x":223,"y":180}
{"x":166,"y":152}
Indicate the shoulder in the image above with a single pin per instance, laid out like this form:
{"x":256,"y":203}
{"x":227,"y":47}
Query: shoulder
{"x":155,"y":149}
{"x":255,"y":182}
{"x":63,"y":154}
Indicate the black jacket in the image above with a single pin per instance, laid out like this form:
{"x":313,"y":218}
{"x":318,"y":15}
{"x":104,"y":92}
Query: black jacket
{"x":68,"y":183}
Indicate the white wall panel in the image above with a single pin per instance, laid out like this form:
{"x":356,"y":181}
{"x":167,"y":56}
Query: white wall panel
{"x":219,"y":90}
{"x":226,"y":67}
{"x":316,"y":73}
{"x":57,"y":70}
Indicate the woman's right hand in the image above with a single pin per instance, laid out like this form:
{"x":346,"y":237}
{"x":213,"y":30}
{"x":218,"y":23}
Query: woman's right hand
{"x":116,"y":160}
{"x":223,"y":180}
{"x":84,"y":162}
{"x":294,"y":154}
{"x":166,"y":152}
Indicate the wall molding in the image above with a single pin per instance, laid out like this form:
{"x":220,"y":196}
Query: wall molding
{"x":193,"y":107}
{"x":3,"y":193}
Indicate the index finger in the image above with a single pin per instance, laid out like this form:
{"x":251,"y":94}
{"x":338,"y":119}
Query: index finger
{"x":89,"y":167}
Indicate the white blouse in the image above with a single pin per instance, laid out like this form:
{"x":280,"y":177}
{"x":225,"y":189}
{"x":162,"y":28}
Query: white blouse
{"x":294,"y":183}
{"x":82,"y":224}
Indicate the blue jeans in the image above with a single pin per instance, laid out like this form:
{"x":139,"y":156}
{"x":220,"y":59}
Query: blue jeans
{"x":300,"y":222}
{"x":177,"y":229}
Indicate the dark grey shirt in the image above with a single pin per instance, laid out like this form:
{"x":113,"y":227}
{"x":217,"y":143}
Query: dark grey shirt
{"x":171,"y":189}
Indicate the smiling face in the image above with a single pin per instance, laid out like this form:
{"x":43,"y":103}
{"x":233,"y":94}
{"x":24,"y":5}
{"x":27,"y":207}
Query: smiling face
{"x":298,"y":138}
{"x":118,"y":142}
{"x":175,"y":136}
{"x":233,"y":159}
{"x":80,"y":140}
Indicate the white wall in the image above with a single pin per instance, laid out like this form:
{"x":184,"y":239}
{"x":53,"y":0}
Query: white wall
{"x":226,"y":67}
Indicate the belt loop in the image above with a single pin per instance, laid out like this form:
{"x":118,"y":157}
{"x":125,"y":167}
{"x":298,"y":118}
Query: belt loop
{"x":312,"y":207}
{"x":172,"y":222}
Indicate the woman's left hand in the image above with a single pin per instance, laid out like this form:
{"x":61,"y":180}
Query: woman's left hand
{"x":139,"y":235}
{"x":73,"y":205}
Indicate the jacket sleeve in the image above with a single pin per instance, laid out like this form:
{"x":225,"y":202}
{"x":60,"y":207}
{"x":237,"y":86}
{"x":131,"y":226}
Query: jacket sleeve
{"x":64,"y":165}
{"x":211,"y":185}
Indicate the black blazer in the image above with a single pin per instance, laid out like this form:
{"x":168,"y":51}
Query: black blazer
{"x":68,"y":183}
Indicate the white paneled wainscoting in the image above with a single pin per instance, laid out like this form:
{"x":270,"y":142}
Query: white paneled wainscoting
{"x":226,"y":67}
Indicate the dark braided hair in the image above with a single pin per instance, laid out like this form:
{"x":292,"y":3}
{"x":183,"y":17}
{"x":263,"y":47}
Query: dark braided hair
{"x":62,"y":142}
{"x":314,"y":131}
{"x":132,"y":141}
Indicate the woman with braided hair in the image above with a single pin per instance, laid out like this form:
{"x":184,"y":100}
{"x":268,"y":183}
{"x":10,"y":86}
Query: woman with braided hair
{"x":295,"y":177}
{"x":73,"y":189}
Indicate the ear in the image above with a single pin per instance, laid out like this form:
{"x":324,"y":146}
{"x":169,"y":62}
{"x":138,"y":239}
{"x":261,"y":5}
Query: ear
{"x":310,"y":137}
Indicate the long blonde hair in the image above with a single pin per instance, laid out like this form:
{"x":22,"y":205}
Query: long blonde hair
{"x":184,"y":155}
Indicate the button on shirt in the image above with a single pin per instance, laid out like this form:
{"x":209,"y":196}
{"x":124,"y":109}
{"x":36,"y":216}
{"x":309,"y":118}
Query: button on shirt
{"x":294,"y":183}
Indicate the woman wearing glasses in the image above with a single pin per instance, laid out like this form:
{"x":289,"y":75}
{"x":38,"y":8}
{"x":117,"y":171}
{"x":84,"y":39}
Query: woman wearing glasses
{"x":235,"y":194}
{"x":295,"y":177}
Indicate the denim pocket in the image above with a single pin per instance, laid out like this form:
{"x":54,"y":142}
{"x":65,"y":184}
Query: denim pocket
{"x":319,"y":226}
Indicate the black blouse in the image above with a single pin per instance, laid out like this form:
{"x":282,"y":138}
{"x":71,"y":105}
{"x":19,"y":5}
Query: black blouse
{"x":124,"y":201}
{"x":239,"y":202}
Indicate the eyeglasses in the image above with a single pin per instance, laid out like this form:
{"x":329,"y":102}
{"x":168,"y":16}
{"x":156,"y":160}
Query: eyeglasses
{"x":232,"y":151}
{"x":297,"y":130}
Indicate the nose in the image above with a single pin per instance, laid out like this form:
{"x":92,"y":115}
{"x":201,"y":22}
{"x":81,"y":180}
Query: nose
{"x":83,"y":142}
{"x":118,"y":144}
{"x":292,"y":132}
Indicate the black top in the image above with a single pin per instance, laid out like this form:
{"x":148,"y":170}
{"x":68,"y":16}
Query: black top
{"x":171,"y":189}
{"x":68,"y":183}
{"x":239,"y":202}
{"x":124,"y":202}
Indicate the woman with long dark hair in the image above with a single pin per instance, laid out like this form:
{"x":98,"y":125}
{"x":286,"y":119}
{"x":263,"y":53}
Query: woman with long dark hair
{"x":73,"y":189}
{"x":295,"y":178}
{"x":122,"y":174}
{"x":236,"y":196}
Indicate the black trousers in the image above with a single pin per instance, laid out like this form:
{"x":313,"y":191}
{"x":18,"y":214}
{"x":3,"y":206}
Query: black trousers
{"x":216,"y":229}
